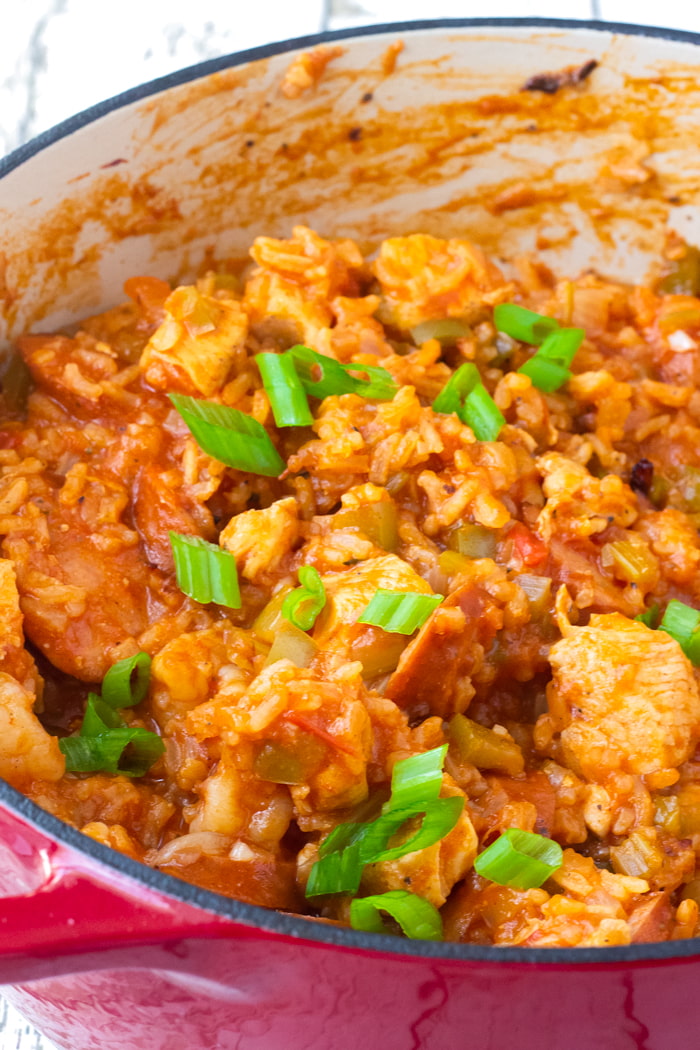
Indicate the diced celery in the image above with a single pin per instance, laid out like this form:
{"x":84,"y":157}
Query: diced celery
{"x":378,"y":651}
{"x":686,"y":496}
{"x":377,"y":521}
{"x":446,"y":330}
{"x":450,"y":563}
{"x":484,"y":748}
{"x":278,"y":764}
{"x":683,"y":277}
{"x":473,"y":541}
{"x":667,"y":813}
{"x":630,"y":561}
{"x":539,"y":591}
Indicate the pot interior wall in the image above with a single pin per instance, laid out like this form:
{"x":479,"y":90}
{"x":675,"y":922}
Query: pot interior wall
{"x":447,"y":143}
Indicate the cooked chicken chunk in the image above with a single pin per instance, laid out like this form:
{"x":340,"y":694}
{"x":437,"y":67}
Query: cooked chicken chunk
{"x":624,"y":697}
{"x":193,"y":348}
{"x":259,"y":539}
{"x":423,"y":277}
{"x":27,"y":752}
{"x":349,"y":593}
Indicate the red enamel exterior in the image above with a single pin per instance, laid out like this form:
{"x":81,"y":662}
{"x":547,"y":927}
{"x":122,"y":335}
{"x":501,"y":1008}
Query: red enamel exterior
{"x":99,"y":962}
{"x":103,"y":954}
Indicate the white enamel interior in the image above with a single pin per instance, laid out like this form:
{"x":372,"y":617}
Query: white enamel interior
{"x":68,"y":236}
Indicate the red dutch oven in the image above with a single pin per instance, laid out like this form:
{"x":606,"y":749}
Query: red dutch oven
{"x":98,"y":951}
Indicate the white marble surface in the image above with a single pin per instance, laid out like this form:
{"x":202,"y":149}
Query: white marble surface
{"x":59,"y":56}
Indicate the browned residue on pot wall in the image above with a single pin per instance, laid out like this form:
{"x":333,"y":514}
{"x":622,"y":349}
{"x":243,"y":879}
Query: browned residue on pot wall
{"x":513,"y":169}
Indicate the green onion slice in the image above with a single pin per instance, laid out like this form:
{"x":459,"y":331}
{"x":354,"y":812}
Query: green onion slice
{"x":415,"y":790}
{"x":481,"y":413}
{"x":417,"y":917}
{"x":417,"y":779}
{"x":285,"y":390}
{"x":519,"y":859}
{"x":561,"y":346}
{"x":322,"y":376}
{"x":465,"y":394}
{"x":379,"y":385}
{"x":339,"y":872}
{"x":549,"y":368}
{"x":439,"y":817}
{"x":99,"y":717}
{"x":546,"y":375}
{"x":302,"y":605}
{"x":130,"y":752}
{"x":457,"y":389}
{"x":650,"y":616}
{"x":682,"y":623}
{"x":399,"y":612}
{"x":522,"y":324}
{"x":230,"y":436}
{"x":126,"y":682}
{"x":204,"y":571}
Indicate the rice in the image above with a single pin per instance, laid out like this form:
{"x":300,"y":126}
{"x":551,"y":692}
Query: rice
{"x":564,"y":716}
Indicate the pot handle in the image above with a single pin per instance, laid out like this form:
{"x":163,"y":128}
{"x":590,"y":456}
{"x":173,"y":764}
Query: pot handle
{"x":73,"y":914}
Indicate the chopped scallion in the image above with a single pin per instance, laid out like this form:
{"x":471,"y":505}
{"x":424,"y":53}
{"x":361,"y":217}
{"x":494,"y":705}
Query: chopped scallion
{"x":230,"y":436}
{"x":439,"y":817}
{"x":457,"y":389}
{"x":481,"y":413}
{"x":520,"y":859}
{"x":561,"y":346}
{"x":322,"y":376}
{"x":126,"y":682}
{"x":125,"y":751}
{"x":650,"y":616}
{"x":284,"y":390}
{"x":379,"y":384}
{"x":525,"y":325}
{"x":546,"y":375}
{"x":465,"y":394}
{"x":399,"y":612}
{"x":99,"y":717}
{"x":205,"y":572}
{"x":302,"y":605}
{"x":683,"y":624}
{"x":549,"y":368}
{"x":418,"y":778}
{"x":417,"y":917}
{"x":350,"y":846}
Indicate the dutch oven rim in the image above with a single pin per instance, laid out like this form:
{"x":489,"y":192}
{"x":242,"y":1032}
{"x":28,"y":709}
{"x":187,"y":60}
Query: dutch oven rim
{"x":250,"y":915}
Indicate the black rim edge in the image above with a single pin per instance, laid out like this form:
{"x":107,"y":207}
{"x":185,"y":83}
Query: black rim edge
{"x":247,"y":914}
{"x":300,"y":928}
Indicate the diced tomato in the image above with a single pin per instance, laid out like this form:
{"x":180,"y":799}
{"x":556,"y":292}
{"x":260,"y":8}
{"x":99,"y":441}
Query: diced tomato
{"x":10,"y":439}
{"x":529,"y":547}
